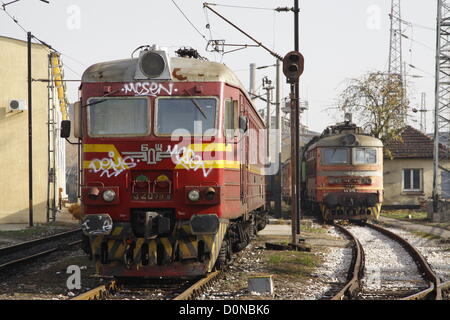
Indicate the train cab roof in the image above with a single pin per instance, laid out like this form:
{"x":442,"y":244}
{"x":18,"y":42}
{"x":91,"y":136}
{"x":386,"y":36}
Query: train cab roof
{"x":345,"y":134}
{"x":348,"y":140}
{"x":174,"y":69}
{"x":181,"y":70}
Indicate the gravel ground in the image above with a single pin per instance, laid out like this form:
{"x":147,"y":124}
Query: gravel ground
{"x":333,"y":272}
{"x":315,"y":283}
{"x":436,"y":252}
{"x":389,"y":270}
{"x":47,"y":278}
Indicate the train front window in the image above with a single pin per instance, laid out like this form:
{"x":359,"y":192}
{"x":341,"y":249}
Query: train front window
{"x":333,"y":156}
{"x":192,"y":116}
{"x":118,"y":117}
{"x":364,"y":156}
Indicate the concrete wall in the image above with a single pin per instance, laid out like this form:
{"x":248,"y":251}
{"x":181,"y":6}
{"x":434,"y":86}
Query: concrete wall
{"x":14,"y":132}
{"x":393,"y":181}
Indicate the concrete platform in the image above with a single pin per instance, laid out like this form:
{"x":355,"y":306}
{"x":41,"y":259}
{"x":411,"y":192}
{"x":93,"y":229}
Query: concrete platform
{"x":13,"y":226}
{"x":410,"y":226}
{"x":276,"y":230}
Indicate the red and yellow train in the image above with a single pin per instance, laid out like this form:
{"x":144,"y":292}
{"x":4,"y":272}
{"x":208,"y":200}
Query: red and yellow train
{"x":172,"y":181}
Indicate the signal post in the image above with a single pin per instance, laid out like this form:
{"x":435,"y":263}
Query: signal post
{"x":293,"y":65}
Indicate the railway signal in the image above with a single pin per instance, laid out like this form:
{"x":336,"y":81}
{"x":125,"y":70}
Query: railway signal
{"x":293,"y":65}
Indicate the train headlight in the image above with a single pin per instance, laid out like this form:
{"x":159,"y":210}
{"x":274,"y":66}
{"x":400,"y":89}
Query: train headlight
{"x":152,"y":64}
{"x":194,"y":195}
{"x":109,"y":195}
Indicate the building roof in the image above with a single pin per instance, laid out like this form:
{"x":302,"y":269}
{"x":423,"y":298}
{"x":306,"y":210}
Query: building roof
{"x":22,"y":42}
{"x":414,"y":144}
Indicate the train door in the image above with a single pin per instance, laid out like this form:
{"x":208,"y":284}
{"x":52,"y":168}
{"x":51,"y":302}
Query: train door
{"x":243,"y":159}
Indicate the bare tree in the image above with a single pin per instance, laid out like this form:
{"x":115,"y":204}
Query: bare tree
{"x":378,"y":104}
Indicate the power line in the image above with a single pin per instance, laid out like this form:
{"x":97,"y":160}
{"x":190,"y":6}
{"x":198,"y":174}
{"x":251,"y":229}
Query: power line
{"x":14,"y":19}
{"x":26,"y":31}
{"x":198,"y":31}
{"x":42,"y":42}
{"x":418,"y":42}
{"x":239,"y":7}
{"x":411,"y":24}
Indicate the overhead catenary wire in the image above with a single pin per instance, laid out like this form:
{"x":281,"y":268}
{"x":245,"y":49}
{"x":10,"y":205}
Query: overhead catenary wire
{"x":189,"y":21}
{"x":239,"y":7}
{"x":16,"y":21}
{"x":205,"y":5}
{"x":208,"y":26}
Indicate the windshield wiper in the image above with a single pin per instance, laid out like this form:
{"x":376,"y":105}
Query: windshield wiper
{"x":102,"y":100}
{"x":95,"y":102}
{"x":197,"y":105}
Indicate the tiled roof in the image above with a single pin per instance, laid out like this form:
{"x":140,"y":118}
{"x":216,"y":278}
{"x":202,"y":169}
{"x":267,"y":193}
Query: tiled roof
{"x":414,"y":144}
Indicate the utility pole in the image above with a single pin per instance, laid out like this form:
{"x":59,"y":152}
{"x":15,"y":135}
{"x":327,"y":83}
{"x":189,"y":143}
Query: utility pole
{"x":267,"y":85}
{"x":293,"y":64}
{"x":296,"y":114}
{"x":30,"y":133}
{"x":442,"y":92}
{"x":277,"y":182}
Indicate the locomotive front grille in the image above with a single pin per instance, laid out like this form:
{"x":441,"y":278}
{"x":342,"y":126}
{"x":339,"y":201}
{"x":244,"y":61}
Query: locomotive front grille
{"x":162,"y":221}
{"x":334,"y":200}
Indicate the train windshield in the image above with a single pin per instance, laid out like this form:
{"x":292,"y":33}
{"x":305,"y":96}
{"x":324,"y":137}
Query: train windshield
{"x":364,"y":156}
{"x":191,"y":116}
{"x":335,"y":156}
{"x":118,"y":117}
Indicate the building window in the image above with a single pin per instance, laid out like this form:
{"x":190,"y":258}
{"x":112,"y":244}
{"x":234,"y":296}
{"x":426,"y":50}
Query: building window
{"x":412,"y":180}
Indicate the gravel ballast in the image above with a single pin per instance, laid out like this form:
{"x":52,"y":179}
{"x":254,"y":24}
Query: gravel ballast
{"x":389,"y":269}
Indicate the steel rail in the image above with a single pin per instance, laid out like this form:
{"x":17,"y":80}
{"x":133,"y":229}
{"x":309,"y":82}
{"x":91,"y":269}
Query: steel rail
{"x":356,"y":270}
{"x":35,"y":256}
{"x":435,"y":287}
{"x":100,"y":293}
{"x":30,"y":244}
{"x":194,"y":290}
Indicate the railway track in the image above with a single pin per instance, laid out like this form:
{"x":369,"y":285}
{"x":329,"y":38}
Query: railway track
{"x":154,"y":290}
{"x":356,"y":287}
{"x":29,"y":251}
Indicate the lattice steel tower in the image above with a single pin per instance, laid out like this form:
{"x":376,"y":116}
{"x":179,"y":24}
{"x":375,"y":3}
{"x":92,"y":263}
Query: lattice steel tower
{"x":396,"y":75}
{"x":442,"y":97}
{"x":395,"y":48}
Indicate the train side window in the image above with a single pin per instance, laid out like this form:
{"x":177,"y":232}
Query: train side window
{"x":231,"y":113}
{"x":333,"y":156}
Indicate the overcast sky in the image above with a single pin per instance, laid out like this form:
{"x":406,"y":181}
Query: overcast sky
{"x":339,"y":39}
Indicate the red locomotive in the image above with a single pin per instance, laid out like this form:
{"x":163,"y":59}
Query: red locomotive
{"x":172,"y":180}
{"x":343,"y":174}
